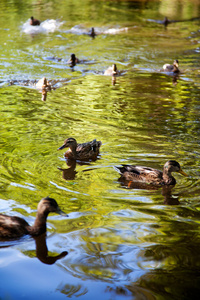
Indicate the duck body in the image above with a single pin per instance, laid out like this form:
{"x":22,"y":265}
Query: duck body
{"x":111,"y":71}
{"x":171,"y":68}
{"x":152,"y":176}
{"x":73,"y":60}
{"x":13,"y":227}
{"x":84,"y":151}
{"x":43,"y":84}
{"x":34,"y":22}
{"x":92,"y":33}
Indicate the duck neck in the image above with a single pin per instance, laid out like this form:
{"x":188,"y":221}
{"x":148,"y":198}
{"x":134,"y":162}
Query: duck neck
{"x":73,"y":150}
{"x":175,"y":69}
{"x":167,"y":177}
{"x":39,"y":225}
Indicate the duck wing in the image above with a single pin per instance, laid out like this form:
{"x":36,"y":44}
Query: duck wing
{"x":140,"y":173}
{"x":89,"y":149}
{"x":12,"y":227}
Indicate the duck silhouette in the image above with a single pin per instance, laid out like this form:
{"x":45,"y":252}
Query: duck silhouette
{"x":73,"y":60}
{"x":34,"y":22}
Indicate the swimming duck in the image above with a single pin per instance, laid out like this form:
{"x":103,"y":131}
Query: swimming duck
{"x":150,"y":175}
{"x":92,"y":33}
{"x":85,"y":151}
{"x":172,"y":68}
{"x":166,"y":22}
{"x":34,"y":22}
{"x":111,"y":70}
{"x":43,"y":84}
{"x":12,"y":227}
{"x":73,"y":60}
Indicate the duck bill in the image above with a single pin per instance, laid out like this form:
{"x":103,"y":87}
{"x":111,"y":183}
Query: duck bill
{"x":182,"y":172}
{"x":62,"y":147}
{"x":60,"y":212}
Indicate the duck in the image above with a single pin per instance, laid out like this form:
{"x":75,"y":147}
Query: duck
{"x":111,"y":70}
{"x":92,"y":33}
{"x":73,"y":60}
{"x":172,"y":68}
{"x":84,"y":151}
{"x":43,"y":84}
{"x":166,"y":21}
{"x":34,"y":22}
{"x":148,"y":175}
{"x":13,"y":227}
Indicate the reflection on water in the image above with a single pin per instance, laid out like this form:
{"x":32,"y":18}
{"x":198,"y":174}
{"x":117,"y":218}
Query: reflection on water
{"x":123,"y":242}
{"x":42,"y":251}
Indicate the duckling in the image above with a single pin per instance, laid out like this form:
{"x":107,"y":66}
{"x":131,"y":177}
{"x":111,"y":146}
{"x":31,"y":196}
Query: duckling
{"x":111,"y":70}
{"x":73,"y":60}
{"x":85,"y":151}
{"x":13,"y":227}
{"x":34,"y":22}
{"x":172,"y":68}
{"x":150,"y":175}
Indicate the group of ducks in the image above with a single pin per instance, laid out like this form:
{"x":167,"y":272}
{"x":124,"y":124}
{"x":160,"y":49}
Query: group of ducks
{"x":12,"y":227}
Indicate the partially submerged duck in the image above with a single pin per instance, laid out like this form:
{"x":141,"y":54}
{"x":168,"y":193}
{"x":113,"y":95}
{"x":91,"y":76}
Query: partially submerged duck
{"x":85,"y":151}
{"x":12,"y":227}
{"x":150,"y":175}
{"x":112,"y":70}
{"x":172,"y":68}
{"x":34,"y":22}
{"x":73,"y":60}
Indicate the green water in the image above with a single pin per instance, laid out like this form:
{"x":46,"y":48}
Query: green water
{"x":122,"y":243}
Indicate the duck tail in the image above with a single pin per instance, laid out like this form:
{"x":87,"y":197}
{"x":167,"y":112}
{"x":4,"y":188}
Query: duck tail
{"x":118,"y":169}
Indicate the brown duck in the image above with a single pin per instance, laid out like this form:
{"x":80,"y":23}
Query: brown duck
{"x":92,"y":33}
{"x":34,"y":22}
{"x":112,"y":70}
{"x":85,"y":151}
{"x":13,"y":227}
{"x":73,"y":60}
{"x":150,"y":175}
{"x":172,"y":68}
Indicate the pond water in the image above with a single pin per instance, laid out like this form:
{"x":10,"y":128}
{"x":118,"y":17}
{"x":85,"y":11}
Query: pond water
{"x":123,"y":242}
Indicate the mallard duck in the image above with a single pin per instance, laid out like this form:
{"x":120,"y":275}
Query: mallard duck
{"x":150,"y":175}
{"x":111,"y":70}
{"x":172,"y":68}
{"x":85,"y":151}
{"x":73,"y":60}
{"x":12,"y":227}
{"x":34,"y":22}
